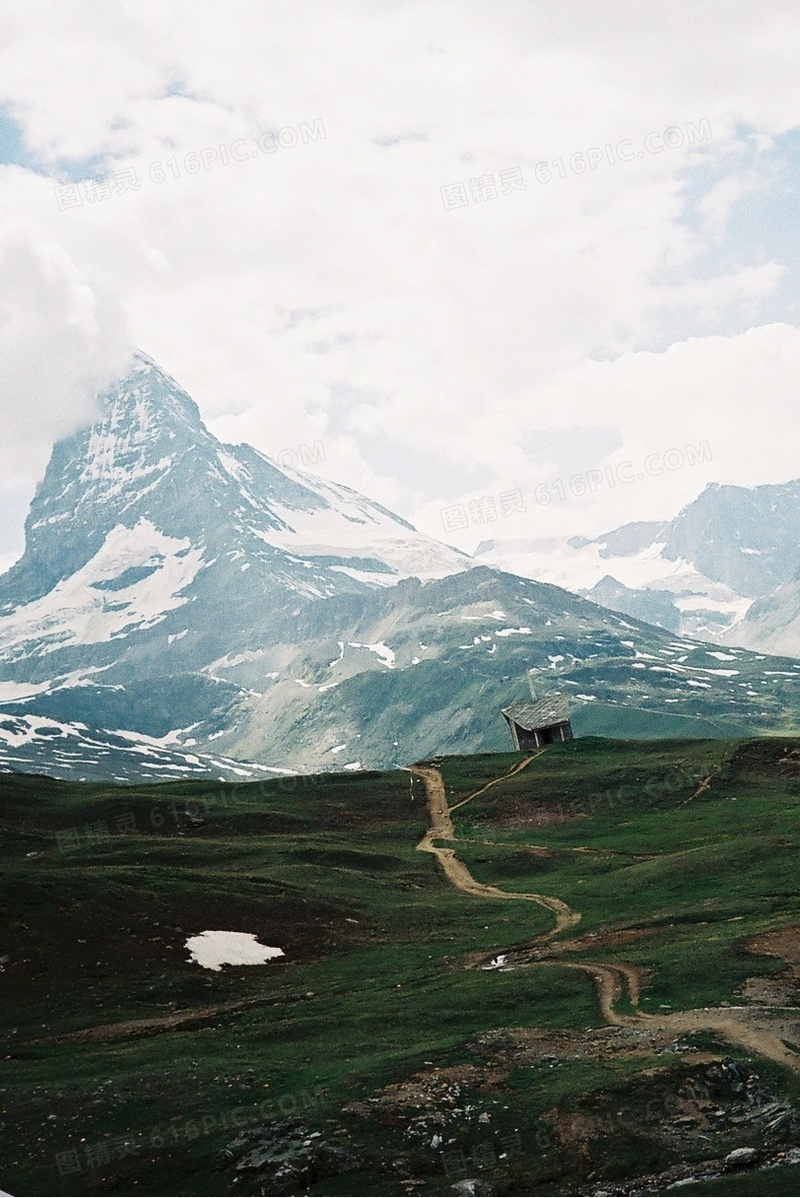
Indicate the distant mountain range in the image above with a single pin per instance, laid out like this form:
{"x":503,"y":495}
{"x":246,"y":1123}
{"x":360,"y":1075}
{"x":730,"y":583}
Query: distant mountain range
{"x":725,"y":569}
{"x":182,"y":596}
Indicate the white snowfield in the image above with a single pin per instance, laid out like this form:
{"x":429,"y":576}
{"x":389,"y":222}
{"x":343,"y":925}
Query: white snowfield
{"x":81,"y":609}
{"x":348,"y":525}
{"x":14,"y":692}
{"x":212,"y":950}
{"x":553,"y":560}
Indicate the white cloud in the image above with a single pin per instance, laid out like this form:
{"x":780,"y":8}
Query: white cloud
{"x":321,"y":291}
{"x":60,"y":342}
{"x":717,"y":204}
{"x":735,"y":395}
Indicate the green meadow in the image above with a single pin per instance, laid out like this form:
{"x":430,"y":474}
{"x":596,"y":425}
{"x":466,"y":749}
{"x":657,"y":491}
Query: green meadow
{"x":129,"y":1069}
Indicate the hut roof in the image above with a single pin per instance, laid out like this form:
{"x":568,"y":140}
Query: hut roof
{"x":541,"y":714}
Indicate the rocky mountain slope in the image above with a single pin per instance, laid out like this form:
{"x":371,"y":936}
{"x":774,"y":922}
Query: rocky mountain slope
{"x":697,"y":575}
{"x":772,"y":624}
{"x":201,"y":595}
{"x":36,"y":744}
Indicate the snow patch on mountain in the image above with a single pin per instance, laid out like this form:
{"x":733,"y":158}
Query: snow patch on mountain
{"x":726,"y":568}
{"x":33,"y":743}
{"x":702,"y":606}
{"x":384,"y":654}
{"x":374,"y":545}
{"x":15,"y":692}
{"x":131,"y":582}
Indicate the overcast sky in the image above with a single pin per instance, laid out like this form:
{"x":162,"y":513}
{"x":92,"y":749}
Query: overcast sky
{"x":473,"y":249}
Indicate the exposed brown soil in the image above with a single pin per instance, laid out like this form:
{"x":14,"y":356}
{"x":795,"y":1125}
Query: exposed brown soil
{"x":511,"y":1048}
{"x":694,"y":1107}
{"x":783,"y":942}
{"x":782,"y":991}
{"x":790,"y":763}
{"x":431,"y":1091}
{"x":532,"y":815}
{"x":435,"y":1091}
{"x":607,"y":938}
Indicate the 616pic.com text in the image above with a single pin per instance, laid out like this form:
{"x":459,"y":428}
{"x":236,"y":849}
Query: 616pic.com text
{"x":589,"y":481}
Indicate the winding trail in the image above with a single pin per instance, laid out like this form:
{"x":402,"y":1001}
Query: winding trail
{"x":613,"y":980}
{"x":154,"y":1024}
{"x":456,"y":872}
{"x":515,"y":769}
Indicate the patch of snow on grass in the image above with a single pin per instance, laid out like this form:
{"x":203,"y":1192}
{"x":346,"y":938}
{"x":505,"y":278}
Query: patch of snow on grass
{"x":212,"y":950}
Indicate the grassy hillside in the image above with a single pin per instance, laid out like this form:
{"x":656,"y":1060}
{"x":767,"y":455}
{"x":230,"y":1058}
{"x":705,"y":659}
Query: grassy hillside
{"x":129,"y":1069}
{"x":625,"y":722}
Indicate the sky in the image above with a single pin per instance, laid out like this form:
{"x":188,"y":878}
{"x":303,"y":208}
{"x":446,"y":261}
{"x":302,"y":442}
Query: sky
{"x":527,"y":269}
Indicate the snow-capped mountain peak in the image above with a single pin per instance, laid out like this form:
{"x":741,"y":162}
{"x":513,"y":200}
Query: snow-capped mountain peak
{"x":146,"y":513}
{"x":201,"y":597}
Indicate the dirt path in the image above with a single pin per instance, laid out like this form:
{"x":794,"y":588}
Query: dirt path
{"x":152,"y":1025}
{"x":613,"y":979}
{"x":515,"y":769}
{"x":456,"y":872}
{"x":738,"y":1027}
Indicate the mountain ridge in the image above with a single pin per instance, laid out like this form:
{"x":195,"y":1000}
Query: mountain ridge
{"x":700,"y":574}
{"x":176,"y":587}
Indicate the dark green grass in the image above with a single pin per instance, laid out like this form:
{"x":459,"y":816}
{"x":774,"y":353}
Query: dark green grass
{"x":589,"y":774}
{"x":698,"y":875}
{"x":371,"y":935}
{"x":373,"y":984}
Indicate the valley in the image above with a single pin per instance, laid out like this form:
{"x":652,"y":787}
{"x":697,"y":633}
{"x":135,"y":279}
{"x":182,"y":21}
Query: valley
{"x":626,"y":1016}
